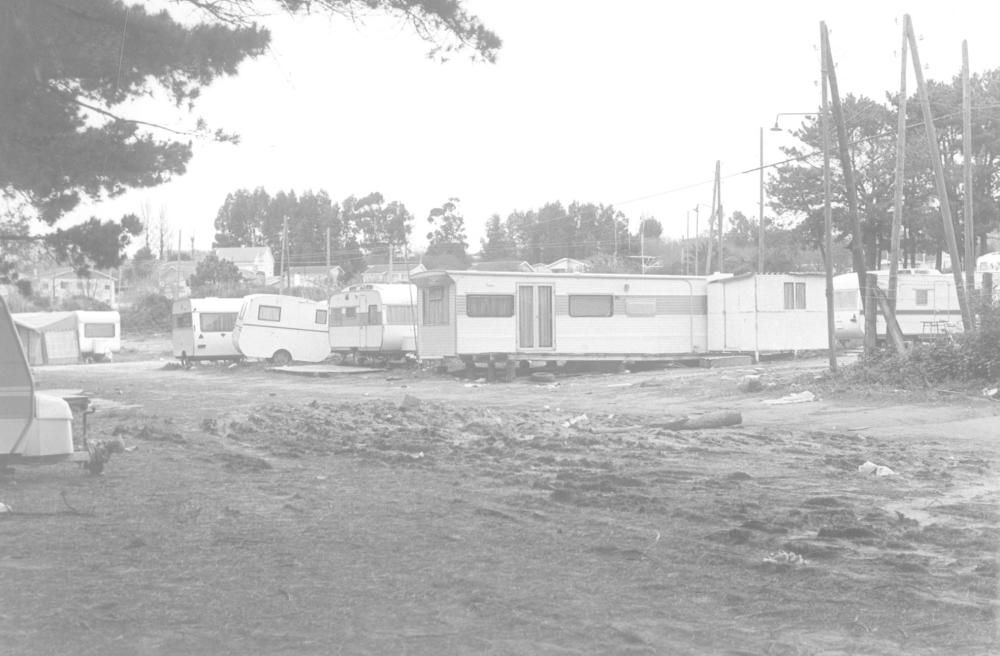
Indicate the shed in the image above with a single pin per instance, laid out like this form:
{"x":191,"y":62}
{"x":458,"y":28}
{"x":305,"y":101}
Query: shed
{"x":48,"y":337}
{"x":767,"y":313}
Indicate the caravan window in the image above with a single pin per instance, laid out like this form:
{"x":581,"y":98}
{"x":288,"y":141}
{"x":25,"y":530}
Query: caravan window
{"x":795,"y":296}
{"x":217,"y":322}
{"x":321,"y":317}
{"x":98,"y":330}
{"x":269,"y":313}
{"x":591,"y":305}
{"x":182,"y":320}
{"x":489,"y":305}
{"x":336,"y":316}
{"x":374,"y":316}
{"x":923,"y":296}
{"x":399,"y":315}
{"x":435,"y":310}
{"x":640,"y":306}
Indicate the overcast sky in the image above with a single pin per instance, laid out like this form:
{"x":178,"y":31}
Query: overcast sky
{"x":627,"y":103}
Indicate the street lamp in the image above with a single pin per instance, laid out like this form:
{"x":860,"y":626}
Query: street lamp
{"x":760,"y":211}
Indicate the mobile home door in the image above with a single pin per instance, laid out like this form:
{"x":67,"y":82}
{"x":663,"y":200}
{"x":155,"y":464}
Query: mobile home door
{"x":535,"y":317}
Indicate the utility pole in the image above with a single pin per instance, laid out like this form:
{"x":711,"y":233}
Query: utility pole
{"x":718,"y":208}
{"x":760,"y":210}
{"x":831,"y":326}
{"x":967,"y":196}
{"x":857,"y":247}
{"x":711,"y":224}
{"x":192,"y":248}
{"x":177,"y":289}
{"x":642,"y":244}
{"x":942,"y":189}
{"x":284,"y":247}
{"x":897,"y":215}
{"x":697,"y":242}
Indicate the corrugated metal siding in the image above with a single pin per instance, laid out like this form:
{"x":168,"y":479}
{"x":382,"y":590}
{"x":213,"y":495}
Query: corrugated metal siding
{"x":678,"y":304}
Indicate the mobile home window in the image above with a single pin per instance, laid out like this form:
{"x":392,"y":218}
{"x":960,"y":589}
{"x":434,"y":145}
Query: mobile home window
{"x":435,"y":310}
{"x":640,"y":307}
{"x":98,"y":330}
{"x":399,"y":315}
{"x":374,"y":315}
{"x":591,"y":305}
{"x":321,"y":317}
{"x":795,"y":296}
{"x":182,"y":320}
{"x":336,"y":316}
{"x":269,"y":313}
{"x":217,"y":322}
{"x":923,"y":297}
{"x":489,"y":305}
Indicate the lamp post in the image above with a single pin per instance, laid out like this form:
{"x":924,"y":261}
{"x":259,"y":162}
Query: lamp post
{"x":760,"y":210}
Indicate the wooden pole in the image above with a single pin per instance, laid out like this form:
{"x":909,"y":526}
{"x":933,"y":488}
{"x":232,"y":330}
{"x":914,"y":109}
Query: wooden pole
{"x":718,"y":208}
{"x":760,"y":210}
{"x":697,"y":241}
{"x":897,"y":215}
{"x":857,"y":247}
{"x":284,"y":246}
{"x":967,"y":195}
{"x":711,"y":223}
{"x":831,"y":326}
{"x":942,"y":189}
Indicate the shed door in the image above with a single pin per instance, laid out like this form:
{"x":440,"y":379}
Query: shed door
{"x":535,"y":317}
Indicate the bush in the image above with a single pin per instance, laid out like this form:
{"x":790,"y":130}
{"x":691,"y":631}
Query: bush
{"x":963,"y":358}
{"x":151,"y":313}
{"x":82,"y":303}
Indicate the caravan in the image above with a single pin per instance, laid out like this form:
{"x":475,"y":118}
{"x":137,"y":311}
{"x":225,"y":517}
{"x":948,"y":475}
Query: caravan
{"x":203,"y":329}
{"x":926,"y":304}
{"x":374,"y":320}
{"x":282,"y":329}
{"x":99,"y":334}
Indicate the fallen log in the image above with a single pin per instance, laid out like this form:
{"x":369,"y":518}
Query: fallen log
{"x":717,"y":419}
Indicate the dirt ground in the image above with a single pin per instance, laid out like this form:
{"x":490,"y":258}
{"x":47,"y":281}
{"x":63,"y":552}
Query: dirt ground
{"x":403,"y":512}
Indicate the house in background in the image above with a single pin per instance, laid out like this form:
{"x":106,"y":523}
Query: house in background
{"x":320,"y":276}
{"x":502,"y":265}
{"x":172,"y":278}
{"x":563,"y":265}
{"x":399,"y":272}
{"x":64,"y":283}
{"x":256,"y":263}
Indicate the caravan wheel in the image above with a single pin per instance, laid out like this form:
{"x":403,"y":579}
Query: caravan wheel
{"x":281,"y":358}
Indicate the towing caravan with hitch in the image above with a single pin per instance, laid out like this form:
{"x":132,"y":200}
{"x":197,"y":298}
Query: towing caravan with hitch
{"x":35,"y":428}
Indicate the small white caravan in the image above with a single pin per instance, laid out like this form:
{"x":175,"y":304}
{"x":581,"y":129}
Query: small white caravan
{"x":99,"y":333}
{"x":375,"y":319}
{"x":282,"y":329}
{"x":203,"y":329}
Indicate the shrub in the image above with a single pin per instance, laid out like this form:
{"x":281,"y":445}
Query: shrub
{"x":151,"y":313}
{"x":963,"y":358}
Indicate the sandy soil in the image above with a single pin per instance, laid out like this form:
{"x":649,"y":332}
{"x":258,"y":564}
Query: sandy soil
{"x":402,"y":512}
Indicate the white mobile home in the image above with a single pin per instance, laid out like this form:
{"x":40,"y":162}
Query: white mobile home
{"x":100,"y":333}
{"x":374,"y":319}
{"x":282,"y":329}
{"x":203,"y":329}
{"x":926,"y":304}
{"x":767,"y":313}
{"x":559,"y":316}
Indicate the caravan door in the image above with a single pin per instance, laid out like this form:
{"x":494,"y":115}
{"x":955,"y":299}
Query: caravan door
{"x":370,"y":321}
{"x":535,"y":318}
